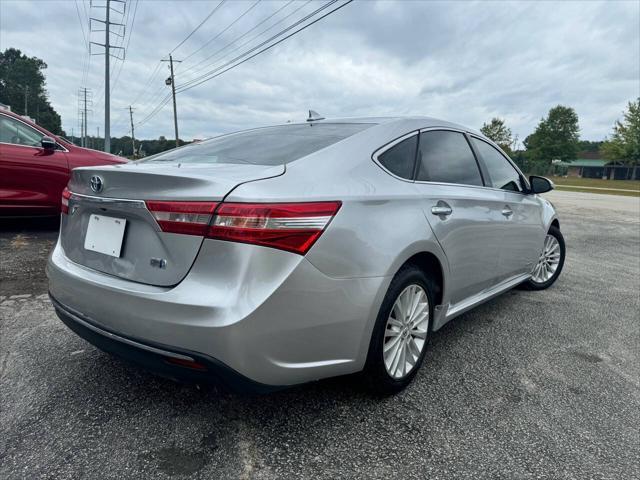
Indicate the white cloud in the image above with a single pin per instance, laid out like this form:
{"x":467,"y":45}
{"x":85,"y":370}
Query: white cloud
{"x":461,"y":61}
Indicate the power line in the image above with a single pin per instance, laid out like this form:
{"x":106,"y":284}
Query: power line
{"x":183,"y":71}
{"x":224,"y":30}
{"x":198,"y":27}
{"x":232,"y":63}
{"x":222,"y":69}
{"x":85,"y":64}
{"x":126,"y":48}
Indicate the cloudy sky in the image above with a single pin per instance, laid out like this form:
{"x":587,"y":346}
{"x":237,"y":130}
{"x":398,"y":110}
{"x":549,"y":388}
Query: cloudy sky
{"x":458,"y":60}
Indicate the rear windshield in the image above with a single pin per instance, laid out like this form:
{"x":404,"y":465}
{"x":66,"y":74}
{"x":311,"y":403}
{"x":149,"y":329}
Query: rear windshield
{"x":263,"y":146}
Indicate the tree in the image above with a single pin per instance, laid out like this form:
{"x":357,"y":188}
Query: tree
{"x":22,"y":78}
{"x":555,"y":138}
{"x":624,"y":144}
{"x":498,"y":131}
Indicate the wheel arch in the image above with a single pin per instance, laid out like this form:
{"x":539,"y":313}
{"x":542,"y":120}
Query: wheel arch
{"x":430,"y":264}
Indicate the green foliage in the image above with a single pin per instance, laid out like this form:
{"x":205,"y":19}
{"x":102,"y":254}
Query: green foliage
{"x":624,"y":144}
{"x":555,"y":138}
{"x":497,"y":131}
{"x":19,"y":72}
{"x":589,"y":146}
{"x":122,"y":146}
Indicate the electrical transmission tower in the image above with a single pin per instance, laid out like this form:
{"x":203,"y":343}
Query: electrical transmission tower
{"x":85,"y":101}
{"x":107,"y":23}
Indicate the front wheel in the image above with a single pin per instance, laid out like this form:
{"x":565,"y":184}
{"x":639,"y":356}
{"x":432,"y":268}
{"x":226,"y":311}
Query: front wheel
{"x":550,"y":262}
{"x":399,"y":339}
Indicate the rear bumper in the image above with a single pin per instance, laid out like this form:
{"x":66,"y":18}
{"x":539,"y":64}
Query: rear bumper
{"x":268,"y":315}
{"x":158,"y":358}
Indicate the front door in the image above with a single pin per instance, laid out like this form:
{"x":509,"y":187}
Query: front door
{"x":522,"y":229}
{"x":31,"y":178}
{"x":465,"y":216}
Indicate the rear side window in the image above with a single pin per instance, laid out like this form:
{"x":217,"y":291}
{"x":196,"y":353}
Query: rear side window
{"x":447,"y":157}
{"x":400,"y":159}
{"x":263,"y":146}
{"x":501,"y":172}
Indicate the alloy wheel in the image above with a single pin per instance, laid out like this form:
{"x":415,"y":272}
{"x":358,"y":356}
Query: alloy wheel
{"x":548,"y":261}
{"x":406,"y":331}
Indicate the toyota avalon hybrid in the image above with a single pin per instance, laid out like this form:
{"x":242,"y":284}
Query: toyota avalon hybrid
{"x":282,"y":255}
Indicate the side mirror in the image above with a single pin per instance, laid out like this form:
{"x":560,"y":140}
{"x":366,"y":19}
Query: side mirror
{"x":48,"y":143}
{"x":540,"y":184}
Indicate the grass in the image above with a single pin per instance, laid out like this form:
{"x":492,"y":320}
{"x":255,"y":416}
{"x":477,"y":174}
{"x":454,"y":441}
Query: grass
{"x":612,"y":187}
{"x":598,"y":183}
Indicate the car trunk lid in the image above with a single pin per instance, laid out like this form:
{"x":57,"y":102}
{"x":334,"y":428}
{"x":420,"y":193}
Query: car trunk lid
{"x":147,"y":254}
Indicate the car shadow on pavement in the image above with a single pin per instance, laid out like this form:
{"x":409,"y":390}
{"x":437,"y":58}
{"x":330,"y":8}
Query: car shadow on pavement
{"x":29,"y":224}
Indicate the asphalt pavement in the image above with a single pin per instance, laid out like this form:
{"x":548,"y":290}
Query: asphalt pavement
{"x":530,"y":385}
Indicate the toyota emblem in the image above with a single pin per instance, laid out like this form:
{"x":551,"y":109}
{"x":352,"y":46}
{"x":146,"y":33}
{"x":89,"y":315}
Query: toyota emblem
{"x":96,"y":184}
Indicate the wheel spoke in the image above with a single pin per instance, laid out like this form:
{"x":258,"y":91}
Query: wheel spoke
{"x":415,"y":351}
{"x":406,"y":331}
{"x":419,"y":333}
{"x":392,"y":343}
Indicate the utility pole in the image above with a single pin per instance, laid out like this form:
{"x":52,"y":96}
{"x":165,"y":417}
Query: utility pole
{"x":26,"y":96}
{"x":84,"y":136}
{"x":171,"y":81}
{"x":107,"y":87}
{"x":84,"y":101}
{"x":107,"y":54}
{"x":133,"y":137}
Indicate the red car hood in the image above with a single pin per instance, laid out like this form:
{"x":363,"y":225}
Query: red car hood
{"x":101,"y":156}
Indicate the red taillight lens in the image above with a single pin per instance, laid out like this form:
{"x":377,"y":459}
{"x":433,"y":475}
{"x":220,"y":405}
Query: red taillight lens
{"x":190,"y":218}
{"x":66,"y":195}
{"x":293,"y":227}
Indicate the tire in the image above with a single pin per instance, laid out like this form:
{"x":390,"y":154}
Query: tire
{"x":376,"y":374}
{"x":532,"y":284}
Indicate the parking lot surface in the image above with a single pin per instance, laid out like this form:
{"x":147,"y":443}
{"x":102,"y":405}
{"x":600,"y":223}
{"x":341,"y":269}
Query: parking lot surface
{"x":530,"y":385}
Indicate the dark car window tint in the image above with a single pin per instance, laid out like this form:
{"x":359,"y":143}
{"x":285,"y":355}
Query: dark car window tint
{"x":502,"y":173}
{"x":447,"y":157}
{"x":13,"y":131}
{"x":401,"y":158}
{"x":263,"y":146}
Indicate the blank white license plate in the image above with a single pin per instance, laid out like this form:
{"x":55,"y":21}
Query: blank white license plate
{"x":105,"y":234}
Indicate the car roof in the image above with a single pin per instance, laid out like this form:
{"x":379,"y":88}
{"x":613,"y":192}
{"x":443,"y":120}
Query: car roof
{"x":408,"y":123}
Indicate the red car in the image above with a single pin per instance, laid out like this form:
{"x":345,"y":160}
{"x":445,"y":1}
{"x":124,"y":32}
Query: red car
{"x":35,"y":166}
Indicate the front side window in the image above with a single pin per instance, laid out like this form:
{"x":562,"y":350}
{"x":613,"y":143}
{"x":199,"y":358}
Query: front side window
{"x":17,"y":133}
{"x":263,"y":146}
{"x":446,"y":157}
{"x":400,"y":159}
{"x":501,"y":172}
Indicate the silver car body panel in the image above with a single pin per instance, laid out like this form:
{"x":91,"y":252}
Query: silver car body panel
{"x":279,"y":318}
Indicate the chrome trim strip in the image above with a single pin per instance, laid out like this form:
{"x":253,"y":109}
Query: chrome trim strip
{"x":62,"y":148}
{"x":478,"y":298}
{"x":118,"y":338}
{"x":109,"y":200}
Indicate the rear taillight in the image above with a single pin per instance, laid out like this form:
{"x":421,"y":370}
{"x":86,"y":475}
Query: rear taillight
{"x":66,"y":195}
{"x":293,"y":227}
{"x":190,"y":218}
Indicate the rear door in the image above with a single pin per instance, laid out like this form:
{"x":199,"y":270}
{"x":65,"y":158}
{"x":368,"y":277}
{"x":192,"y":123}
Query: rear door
{"x":31,"y":178}
{"x":521,"y":212}
{"x":464,"y":215}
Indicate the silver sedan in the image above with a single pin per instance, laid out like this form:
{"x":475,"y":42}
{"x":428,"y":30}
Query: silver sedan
{"x":286,"y":254}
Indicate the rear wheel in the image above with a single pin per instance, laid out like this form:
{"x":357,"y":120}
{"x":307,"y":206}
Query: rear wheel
{"x":399,"y":339}
{"x":550,"y":262}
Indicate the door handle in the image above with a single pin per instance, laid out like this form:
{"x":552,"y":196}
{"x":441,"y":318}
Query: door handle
{"x":506,"y":211}
{"x":441,"y":210}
